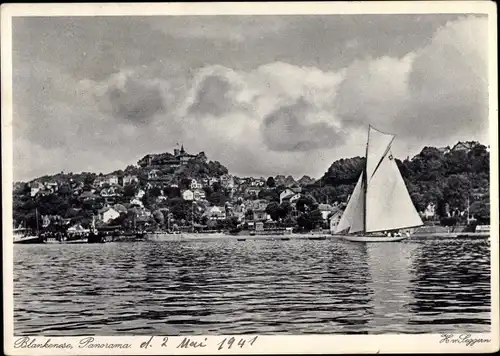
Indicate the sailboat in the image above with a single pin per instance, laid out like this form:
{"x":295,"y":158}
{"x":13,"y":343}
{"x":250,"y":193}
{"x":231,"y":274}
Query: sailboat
{"x":380,"y":205}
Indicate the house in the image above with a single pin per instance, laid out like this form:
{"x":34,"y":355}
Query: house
{"x":216,"y":213}
{"x":187,"y":195}
{"x":293,"y":199}
{"x":259,"y":210}
{"x":153,"y":174}
{"x":227,"y":181}
{"x":136,"y":202}
{"x":326,"y":209}
{"x":183,"y":157}
{"x":288,"y":193}
{"x":253,"y":191}
{"x":334,"y":220}
{"x":109,"y":192}
{"x":130,"y":179}
{"x":51,"y":186}
{"x":88,"y":196}
{"x":430,"y":211}
{"x":464,"y":146}
{"x":212,"y":181}
{"x":444,"y":150}
{"x":239,"y":211}
{"x":99,"y":181}
{"x":140,"y":193}
{"x":199,"y":194}
{"x":107,"y":214}
{"x":110,"y":179}
{"x":195,"y":185}
{"x":258,"y":182}
{"x":36,"y":187}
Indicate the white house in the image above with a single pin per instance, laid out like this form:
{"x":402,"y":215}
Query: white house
{"x":153,"y":174}
{"x":112,"y":179}
{"x":325,"y":209}
{"x":430,"y":211}
{"x":199,"y":194}
{"x":51,"y":186}
{"x":109,"y":192}
{"x":216,"y":213}
{"x":195,"y":185}
{"x":288,"y":193}
{"x":227,"y":181}
{"x":137,"y":202}
{"x":187,"y":195}
{"x":130,"y":179}
{"x":107,"y":214}
{"x":140,"y":193}
{"x":109,"y":179}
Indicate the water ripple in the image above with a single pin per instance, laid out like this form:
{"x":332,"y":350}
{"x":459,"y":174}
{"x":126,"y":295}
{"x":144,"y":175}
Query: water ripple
{"x":273,"y":287}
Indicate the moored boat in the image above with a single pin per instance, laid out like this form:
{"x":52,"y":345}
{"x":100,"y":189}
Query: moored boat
{"x":23,"y":236}
{"x":380,"y":208}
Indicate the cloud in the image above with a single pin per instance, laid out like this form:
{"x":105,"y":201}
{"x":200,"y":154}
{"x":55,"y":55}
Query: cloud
{"x":294,"y":128}
{"x":134,"y":100}
{"x":435,"y":92}
{"x":275,"y":117}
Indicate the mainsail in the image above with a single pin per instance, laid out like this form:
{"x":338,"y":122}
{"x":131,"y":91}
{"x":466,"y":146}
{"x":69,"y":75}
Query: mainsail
{"x":380,"y":200}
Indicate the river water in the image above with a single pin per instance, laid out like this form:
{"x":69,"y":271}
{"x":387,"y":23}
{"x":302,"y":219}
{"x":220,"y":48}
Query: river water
{"x":263,"y":287}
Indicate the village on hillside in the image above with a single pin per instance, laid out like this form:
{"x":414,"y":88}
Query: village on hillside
{"x":180,"y":191}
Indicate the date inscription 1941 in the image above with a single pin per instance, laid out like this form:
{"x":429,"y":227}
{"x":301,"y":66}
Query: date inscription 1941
{"x":237,"y":342}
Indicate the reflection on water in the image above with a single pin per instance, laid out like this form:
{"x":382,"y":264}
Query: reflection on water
{"x":265,"y":287}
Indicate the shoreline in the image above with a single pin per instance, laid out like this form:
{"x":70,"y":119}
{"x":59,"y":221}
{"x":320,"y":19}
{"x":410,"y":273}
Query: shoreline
{"x":183,"y":237}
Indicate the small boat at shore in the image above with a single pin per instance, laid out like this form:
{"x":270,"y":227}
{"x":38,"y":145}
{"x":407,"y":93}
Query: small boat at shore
{"x":23,"y":236}
{"x":380,"y":207}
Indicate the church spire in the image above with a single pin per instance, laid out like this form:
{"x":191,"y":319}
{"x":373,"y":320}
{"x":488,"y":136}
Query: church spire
{"x":182,"y":148}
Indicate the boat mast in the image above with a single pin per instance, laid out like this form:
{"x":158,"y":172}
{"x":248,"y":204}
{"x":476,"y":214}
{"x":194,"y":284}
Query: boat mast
{"x":36,"y":215}
{"x":365,"y":180}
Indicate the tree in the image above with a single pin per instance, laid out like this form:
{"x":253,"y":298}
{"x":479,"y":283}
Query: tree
{"x":274,"y":210}
{"x":129,"y":190}
{"x":305,"y":203}
{"x":159,"y":217}
{"x":155,"y":192}
{"x":249,"y":214}
{"x":270,"y":182}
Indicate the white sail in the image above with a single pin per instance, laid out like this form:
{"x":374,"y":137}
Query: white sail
{"x":378,"y":145}
{"x":388,"y":203}
{"x":351,"y":216}
{"x":358,"y":216}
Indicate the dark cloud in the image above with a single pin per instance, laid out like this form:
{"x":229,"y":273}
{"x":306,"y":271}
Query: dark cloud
{"x":212,"y":97}
{"x":135,"y":101}
{"x":289,"y":129}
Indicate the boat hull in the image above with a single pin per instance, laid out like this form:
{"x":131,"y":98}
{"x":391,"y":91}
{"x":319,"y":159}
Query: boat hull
{"x":28,"y":240}
{"x":373,"y":238}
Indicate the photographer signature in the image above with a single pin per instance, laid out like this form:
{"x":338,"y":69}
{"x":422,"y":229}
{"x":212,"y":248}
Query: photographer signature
{"x":466,"y":339}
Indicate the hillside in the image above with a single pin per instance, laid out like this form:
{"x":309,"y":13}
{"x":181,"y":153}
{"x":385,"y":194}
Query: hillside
{"x":451,"y":179}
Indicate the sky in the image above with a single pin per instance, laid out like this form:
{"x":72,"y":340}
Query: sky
{"x":264,"y":95}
